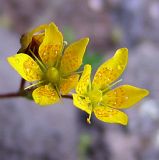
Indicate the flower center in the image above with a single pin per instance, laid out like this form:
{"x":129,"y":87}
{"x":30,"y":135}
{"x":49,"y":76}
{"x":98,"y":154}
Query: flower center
{"x":52,"y":75}
{"x":95,"y":96}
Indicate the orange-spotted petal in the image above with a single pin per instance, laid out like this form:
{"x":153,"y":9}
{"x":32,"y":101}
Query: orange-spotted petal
{"x":66,"y":85}
{"x":26,"y":67}
{"x":124,"y":96}
{"x":110,"y":115}
{"x":82,"y":103}
{"x":26,"y":38}
{"x":84,"y":82}
{"x":45,"y":95}
{"x":73,"y":56}
{"x":52,"y":45}
{"x":111,"y":69}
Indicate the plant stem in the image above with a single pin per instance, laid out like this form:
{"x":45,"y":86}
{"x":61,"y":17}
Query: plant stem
{"x":11,"y":95}
{"x":22,"y":84}
{"x":67,"y":96}
{"x":21,"y":94}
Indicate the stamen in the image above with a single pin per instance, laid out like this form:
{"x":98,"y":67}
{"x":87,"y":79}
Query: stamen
{"x":39,"y":62}
{"x":89,"y":118}
{"x":90,"y":114}
{"x":58,"y":62}
{"x":79,"y":72}
{"x":89,"y":87}
{"x":112,"y":85}
{"x":74,"y":73}
{"x":115,"y":83}
{"x":40,"y":82}
{"x":58,"y":92}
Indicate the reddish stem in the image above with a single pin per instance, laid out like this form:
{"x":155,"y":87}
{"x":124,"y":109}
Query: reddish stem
{"x":11,"y":95}
{"x":67,"y":96}
{"x":22,"y":84}
{"x":21,"y":94}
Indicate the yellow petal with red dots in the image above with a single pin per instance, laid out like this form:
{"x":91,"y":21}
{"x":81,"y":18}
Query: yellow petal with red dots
{"x":26,"y":67}
{"x":111,"y":69}
{"x":110,"y":115}
{"x":45,"y":95}
{"x":66,"y":85}
{"x":52,"y":45}
{"x":73,"y":56}
{"x":124,"y":96}
{"x":84,"y":82}
{"x":81,"y":103}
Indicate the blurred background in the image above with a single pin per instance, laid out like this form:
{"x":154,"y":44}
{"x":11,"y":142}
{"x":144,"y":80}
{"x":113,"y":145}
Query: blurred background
{"x":29,"y":132}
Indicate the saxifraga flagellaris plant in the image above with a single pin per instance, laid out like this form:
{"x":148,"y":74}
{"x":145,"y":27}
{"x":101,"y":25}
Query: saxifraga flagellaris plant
{"x":46,"y":61}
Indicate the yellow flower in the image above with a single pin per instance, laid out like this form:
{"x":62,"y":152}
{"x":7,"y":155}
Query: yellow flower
{"x":98,"y":97}
{"x":54,"y":68}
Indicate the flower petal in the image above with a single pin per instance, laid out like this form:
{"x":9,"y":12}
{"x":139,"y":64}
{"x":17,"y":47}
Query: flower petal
{"x":34,"y":45}
{"x":45,"y":95}
{"x":81,"y":103}
{"x":73,"y":56}
{"x":82,"y":86}
{"x":111,"y":69}
{"x":38,"y":39}
{"x":66,"y":85}
{"x":25,"y":66}
{"x":124,"y":96}
{"x":110,"y":115}
{"x":26,"y":38}
{"x":51,"y":47}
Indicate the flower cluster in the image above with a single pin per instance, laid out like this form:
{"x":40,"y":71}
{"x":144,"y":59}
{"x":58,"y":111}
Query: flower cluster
{"x":52,"y":67}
